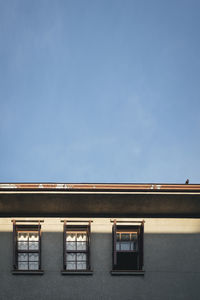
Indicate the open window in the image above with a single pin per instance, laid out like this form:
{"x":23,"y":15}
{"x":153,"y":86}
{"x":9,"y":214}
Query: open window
{"x":76,"y":248}
{"x":26,"y":248}
{"x":128,"y":246}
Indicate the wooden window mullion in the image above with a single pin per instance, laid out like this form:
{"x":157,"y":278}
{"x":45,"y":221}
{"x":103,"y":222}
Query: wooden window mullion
{"x":14,"y":245}
{"x":114,"y":232}
{"x":88,"y":246}
{"x":64,"y":245}
{"x":40,"y":246}
{"x":28,"y":249}
{"x":141,"y":246}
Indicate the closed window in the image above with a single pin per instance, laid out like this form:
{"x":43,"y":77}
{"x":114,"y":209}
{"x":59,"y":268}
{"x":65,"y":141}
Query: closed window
{"x":76,"y":248}
{"x":127,"y":247}
{"x":27,"y":247}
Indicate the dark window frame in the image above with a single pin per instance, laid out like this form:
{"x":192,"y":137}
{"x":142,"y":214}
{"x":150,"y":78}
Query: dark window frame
{"x":17,"y":228}
{"x":76,"y":229}
{"x":136,"y":227}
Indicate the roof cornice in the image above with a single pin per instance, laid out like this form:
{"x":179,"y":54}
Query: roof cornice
{"x":142,"y":187}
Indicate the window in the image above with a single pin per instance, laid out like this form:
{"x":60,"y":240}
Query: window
{"x":27,"y":247}
{"x":128,"y":247}
{"x":76,"y":250}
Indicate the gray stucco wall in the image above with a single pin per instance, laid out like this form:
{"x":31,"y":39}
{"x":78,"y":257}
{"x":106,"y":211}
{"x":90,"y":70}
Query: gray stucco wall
{"x":171,"y":263}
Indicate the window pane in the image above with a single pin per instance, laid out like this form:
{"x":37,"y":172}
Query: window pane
{"x":33,"y":266}
{"x":133,"y":236}
{"x":81,"y":237}
{"x":81,"y":265}
{"x":71,"y":246}
{"x":125,"y":237}
{"x":125,"y":246}
{"x":134,"y":242}
{"x":127,"y":255}
{"x":71,"y":256}
{"x":28,"y":241}
{"x":33,"y":257}
{"x":71,"y":266}
{"x":76,"y":247}
{"x":33,"y":237}
{"x":117,"y":246}
{"x":133,"y":246}
{"x":22,"y":245}
{"x":81,"y":257}
{"x":81,"y":246}
{"x":33,"y":245}
{"x":22,"y":257}
{"x":71,"y":237}
{"x":22,"y":236}
{"x":22,"y":265}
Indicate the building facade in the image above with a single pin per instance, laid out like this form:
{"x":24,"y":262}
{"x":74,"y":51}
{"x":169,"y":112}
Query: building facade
{"x":99,"y":241}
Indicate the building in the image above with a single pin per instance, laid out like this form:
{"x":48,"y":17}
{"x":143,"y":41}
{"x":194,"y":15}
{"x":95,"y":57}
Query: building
{"x":99,"y":241}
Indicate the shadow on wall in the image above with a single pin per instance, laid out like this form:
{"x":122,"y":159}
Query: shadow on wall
{"x":171,"y":263}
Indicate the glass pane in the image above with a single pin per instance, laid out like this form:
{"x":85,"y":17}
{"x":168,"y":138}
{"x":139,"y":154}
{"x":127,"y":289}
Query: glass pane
{"x":132,"y":246}
{"x":33,"y":257}
{"x":133,"y":236}
{"x":71,"y":245}
{"x":125,"y":237}
{"x":81,"y":245}
{"x":81,"y":265}
{"x":22,"y":236}
{"x":81,"y":237}
{"x":22,"y":245}
{"x":22,"y":257}
{"x":71,"y":237}
{"x":125,"y":246}
{"x":33,"y":245}
{"x":71,"y":266}
{"x":33,"y":266}
{"x":71,"y":256}
{"x":22,"y":265}
{"x":117,"y":246}
{"x":33,"y":237}
{"x":81,"y":257}
{"x":118,"y":237}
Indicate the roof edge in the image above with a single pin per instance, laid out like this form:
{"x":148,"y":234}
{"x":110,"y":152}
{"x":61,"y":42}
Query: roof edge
{"x":100,"y":186}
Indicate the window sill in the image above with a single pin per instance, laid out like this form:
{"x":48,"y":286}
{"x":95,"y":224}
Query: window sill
{"x":21,"y":272}
{"x":85,"y":272}
{"x":132,"y":272}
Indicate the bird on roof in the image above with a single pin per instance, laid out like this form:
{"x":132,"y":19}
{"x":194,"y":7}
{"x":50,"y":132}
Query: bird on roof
{"x":187,"y":181}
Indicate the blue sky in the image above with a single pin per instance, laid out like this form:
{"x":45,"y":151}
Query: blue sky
{"x":100,"y":91}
